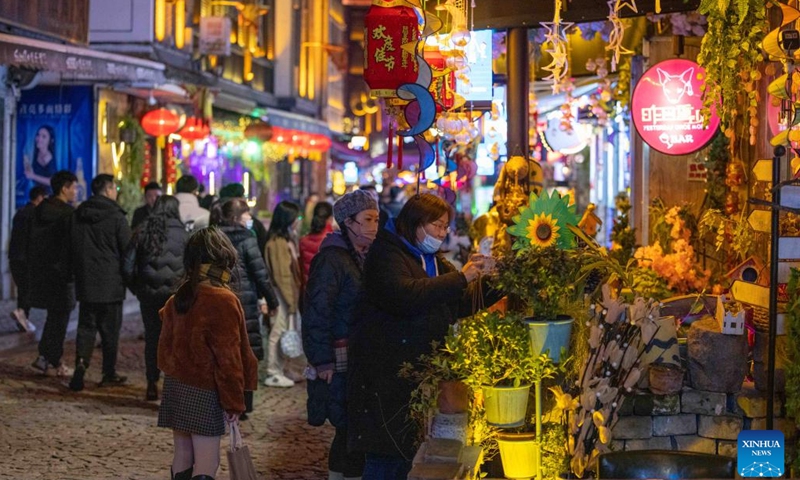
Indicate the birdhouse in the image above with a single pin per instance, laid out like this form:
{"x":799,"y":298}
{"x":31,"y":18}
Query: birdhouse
{"x":730,"y":316}
{"x":751,"y":270}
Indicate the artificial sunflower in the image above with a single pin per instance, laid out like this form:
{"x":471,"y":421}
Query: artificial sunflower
{"x":543,"y":222}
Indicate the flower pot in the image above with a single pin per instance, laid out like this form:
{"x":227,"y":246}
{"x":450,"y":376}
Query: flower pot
{"x":665,"y":379}
{"x":506,"y":406}
{"x":453,"y":397}
{"x":550,"y":336}
{"x":519,"y":453}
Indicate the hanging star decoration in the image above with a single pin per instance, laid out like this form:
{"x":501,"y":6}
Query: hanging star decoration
{"x":556,"y":39}
{"x":618,"y":30}
{"x":543,"y":223}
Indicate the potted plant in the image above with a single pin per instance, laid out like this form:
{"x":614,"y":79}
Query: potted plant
{"x":491,"y":352}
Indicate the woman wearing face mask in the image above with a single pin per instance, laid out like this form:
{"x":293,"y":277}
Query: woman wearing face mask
{"x":332,"y":293}
{"x":251,"y":279}
{"x":411,"y":296}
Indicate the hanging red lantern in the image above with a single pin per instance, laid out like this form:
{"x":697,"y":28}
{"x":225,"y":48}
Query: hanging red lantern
{"x":195,"y":129}
{"x":261,"y":131}
{"x":387,"y":27}
{"x":160,"y":122}
{"x":443,"y":83}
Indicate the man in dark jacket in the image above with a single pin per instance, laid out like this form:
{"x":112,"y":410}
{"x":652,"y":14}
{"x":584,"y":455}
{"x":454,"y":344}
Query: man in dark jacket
{"x":151,"y":193}
{"x":100,"y":235}
{"x":16,"y":257}
{"x":47,"y":256}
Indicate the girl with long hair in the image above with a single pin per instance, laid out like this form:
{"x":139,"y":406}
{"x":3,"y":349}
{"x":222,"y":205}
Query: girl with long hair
{"x":152,"y":268}
{"x":43,"y":165}
{"x":281,"y":253}
{"x":251,"y":278}
{"x":205,"y":355}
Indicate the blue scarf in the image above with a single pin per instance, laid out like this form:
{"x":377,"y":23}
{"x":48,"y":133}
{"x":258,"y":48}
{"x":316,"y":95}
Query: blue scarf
{"x":428,"y":259}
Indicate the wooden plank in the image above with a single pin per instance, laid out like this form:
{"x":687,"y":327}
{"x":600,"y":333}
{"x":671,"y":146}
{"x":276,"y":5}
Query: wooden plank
{"x":763,"y":170}
{"x":788,"y":248}
{"x":790,"y":196}
{"x":750,"y":294}
{"x":760,"y":220}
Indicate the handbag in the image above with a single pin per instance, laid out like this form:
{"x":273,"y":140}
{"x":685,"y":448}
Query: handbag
{"x":291,"y":343}
{"x":240,"y":463}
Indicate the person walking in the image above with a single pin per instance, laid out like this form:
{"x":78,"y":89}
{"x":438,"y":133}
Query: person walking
{"x":251,"y":279}
{"x":236,"y":190}
{"x":153,"y":267}
{"x":281,"y":254}
{"x":193,"y":215}
{"x":51,"y":281}
{"x":205,"y":356}
{"x":332,"y":293}
{"x":17,"y":248}
{"x":309,"y":244}
{"x":100,"y":236}
{"x":411,"y":296}
{"x":151,"y":193}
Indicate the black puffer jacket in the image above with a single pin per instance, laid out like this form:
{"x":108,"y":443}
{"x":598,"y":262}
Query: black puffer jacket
{"x":332,"y":293}
{"x":47,"y":254}
{"x":403,"y":311}
{"x":251,"y":282}
{"x":153,"y":277}
{"x":100,"y":235}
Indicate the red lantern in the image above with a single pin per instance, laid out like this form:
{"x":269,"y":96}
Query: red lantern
{"x":443,"y":84}
{"x":386,"y":65}
{"x":261,"y":131}
{"x":194,"y":129}
{"x":146,"y":172}
{"x":160,"y":122}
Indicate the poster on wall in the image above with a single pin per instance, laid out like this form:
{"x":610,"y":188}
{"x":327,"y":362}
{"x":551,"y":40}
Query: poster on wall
{"x":54,"y":132}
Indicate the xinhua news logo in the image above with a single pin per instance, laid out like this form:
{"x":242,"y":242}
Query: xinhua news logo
{"x":760,"y":454}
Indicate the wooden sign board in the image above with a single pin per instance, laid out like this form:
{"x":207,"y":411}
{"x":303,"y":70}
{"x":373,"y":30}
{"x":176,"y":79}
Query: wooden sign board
{"x":760,"y":220}
{"x":763,"y":170}
{"x":788,"y":248}
{"x":790,"y":196}
{"x":750,"y":294}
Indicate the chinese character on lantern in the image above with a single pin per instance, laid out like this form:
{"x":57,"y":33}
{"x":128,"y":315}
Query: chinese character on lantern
{"x":387,"y":65}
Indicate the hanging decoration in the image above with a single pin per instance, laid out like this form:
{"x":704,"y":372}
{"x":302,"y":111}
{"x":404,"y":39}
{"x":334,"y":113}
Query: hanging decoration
{"x":558,"y":44}
{"x":160,"y":123}
{"x":146,"y":168}
{"x":544,"y":222}
{"x":618,"y":30}
{"x":194,"y":129}
{"x":389,"y":26}
{"x":259,"y":130}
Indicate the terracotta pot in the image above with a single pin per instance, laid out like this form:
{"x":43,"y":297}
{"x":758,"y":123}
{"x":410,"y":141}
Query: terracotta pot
{"x":453,"y":397}
{"x":665,"y":379}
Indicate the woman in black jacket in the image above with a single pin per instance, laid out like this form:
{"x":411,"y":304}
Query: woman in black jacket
{"x":411,"y":296}
{"x":332,"y":293}
{"x":251,"y":281}
{"x":152,"y":268}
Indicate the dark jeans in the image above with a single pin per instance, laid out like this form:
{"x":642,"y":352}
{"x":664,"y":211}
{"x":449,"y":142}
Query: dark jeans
{"x":339,"y":460}
{"x":19,"y":272}
{"x":107,"y":319}
{"x":51,"y":346}
{"x":152,"y":332}
{"x":385,"y":467}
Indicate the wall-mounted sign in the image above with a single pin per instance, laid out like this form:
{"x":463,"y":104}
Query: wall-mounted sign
{"x":215,"y":36}
{"x":666,"y":108}
{"x":479,"y":58}
{"x":65,"y":19}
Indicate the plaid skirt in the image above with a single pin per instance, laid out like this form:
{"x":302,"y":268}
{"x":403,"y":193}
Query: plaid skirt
{"x":190,"y":409}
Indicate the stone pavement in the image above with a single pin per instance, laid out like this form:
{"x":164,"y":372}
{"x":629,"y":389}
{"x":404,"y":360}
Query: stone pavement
{"x":49,"y":432}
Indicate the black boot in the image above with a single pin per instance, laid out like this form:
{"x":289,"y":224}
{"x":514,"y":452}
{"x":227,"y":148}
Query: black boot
{"x":152,"y":391}
{"x":76,"y":383}
{"x":184,"y":475}
{"x":202,"y":477}
{"x":112,"y":380}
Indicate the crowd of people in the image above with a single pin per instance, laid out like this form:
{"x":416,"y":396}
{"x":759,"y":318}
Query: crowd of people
{"x":364,"y":290}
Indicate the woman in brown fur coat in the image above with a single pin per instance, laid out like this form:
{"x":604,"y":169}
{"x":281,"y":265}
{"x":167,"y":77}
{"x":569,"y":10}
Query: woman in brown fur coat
{"x":205,"y":356}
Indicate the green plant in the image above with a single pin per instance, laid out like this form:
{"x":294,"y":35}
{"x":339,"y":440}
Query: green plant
{"x":793,"y":340}
{"x":716,"y":163}
{"x":131,"y":167}
{"x":542,"y":281}
{"x":623,"y":236}
{"x":731,"y":55}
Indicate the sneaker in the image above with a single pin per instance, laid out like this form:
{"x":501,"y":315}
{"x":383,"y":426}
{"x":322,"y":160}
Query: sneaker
{"x":112,"y":380}
{"x":278,"y":381}
{"x":40,"y":365}
{"x":62,"y":371}
{"x":76,"y":384}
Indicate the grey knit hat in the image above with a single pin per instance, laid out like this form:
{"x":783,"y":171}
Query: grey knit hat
{"x":351,"y":204}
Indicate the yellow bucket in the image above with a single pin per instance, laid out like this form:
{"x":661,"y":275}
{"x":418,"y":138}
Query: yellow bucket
{"x":519,"y":453}
{"x":506,"y":406}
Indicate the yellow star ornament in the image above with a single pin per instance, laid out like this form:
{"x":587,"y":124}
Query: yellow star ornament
{"x":543,"y":230}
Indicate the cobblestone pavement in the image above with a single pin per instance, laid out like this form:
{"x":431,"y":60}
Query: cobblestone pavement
{"x":49,"y":432}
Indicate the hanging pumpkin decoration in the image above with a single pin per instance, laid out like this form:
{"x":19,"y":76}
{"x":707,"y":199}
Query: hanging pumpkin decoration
{"x":195,"y":129}
{"x":387,"y":65}
{"x":160,"y":123}
{"x":261,"y":131}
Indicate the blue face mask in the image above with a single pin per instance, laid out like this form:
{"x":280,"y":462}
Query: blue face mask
{"x":430,"y":244}
{"x":249,"y":224}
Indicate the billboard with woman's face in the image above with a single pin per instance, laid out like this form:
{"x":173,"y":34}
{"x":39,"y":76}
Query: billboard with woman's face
{"x":54,"y":132}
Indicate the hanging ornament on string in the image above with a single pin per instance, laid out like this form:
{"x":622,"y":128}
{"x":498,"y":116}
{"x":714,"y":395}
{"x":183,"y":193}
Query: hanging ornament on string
{"x":557,"y":46}
{"x":617,"y":34}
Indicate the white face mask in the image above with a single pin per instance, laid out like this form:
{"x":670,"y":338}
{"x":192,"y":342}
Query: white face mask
{"x":248,"y":224}
{"x":430,"y":244}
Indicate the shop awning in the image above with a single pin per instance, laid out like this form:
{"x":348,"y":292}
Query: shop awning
{"x":76,"y":63}
{"x":293,"y":121}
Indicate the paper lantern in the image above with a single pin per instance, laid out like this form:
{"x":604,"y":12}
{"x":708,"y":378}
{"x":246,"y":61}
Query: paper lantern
{"x":160,"y":122}
{"x":386,"y":64}
{"x":261,"y":131}
{"x":195,"y":129}
{"x":443,"y":84}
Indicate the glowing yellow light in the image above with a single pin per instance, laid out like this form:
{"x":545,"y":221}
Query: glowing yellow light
{"x":180,"y":23}
{"x":212,"y":190}
{"x":248,"y":66}
{"x":161,"y":19}
{"x":246,"y":183}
